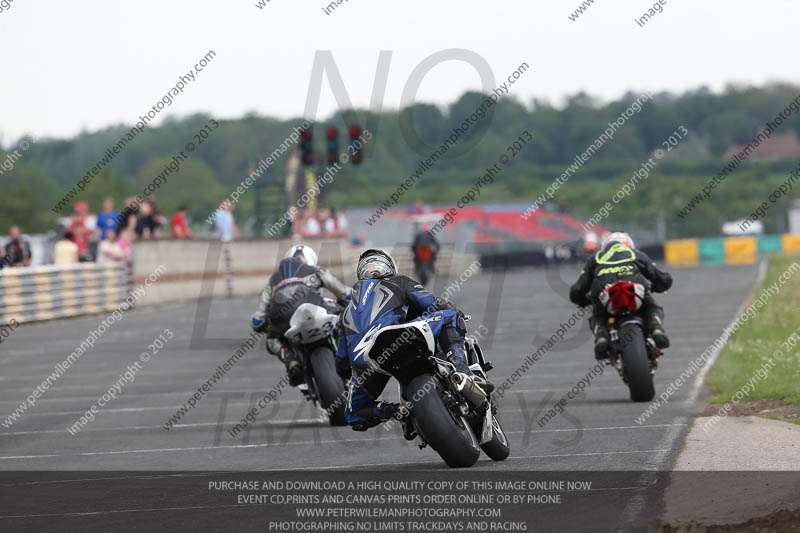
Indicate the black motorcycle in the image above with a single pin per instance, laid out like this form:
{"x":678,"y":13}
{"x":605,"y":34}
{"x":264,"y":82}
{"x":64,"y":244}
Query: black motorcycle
{"x":442,"y":407}
{"x":633,"y":353}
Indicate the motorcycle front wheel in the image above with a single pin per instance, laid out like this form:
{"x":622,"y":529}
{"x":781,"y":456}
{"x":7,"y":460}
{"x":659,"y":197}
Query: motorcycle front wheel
{"x":330,"y":386}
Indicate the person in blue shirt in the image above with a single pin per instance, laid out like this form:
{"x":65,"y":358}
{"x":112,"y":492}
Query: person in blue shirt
{"x":226,"y":229}
{"x":107,"y":219}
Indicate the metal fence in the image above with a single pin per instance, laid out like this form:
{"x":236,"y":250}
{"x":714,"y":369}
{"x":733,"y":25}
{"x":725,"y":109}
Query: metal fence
{"x":28,"y":294}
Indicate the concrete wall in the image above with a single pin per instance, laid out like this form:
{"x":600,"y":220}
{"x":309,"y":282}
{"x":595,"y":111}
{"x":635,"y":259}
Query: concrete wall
{"x":168,"y":271}
{"x":196,"y":269}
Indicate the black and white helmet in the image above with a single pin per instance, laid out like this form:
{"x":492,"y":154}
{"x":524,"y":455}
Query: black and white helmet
{"x":304,"y":253}
{"x":375,"y":263}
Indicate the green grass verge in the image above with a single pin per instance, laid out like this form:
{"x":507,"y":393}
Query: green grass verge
{"x":767,"y":336}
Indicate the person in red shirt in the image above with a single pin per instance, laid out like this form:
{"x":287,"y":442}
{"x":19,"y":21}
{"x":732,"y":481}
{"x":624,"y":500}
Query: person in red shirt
{"x":79,"y":231}
{"x":180,"y":229}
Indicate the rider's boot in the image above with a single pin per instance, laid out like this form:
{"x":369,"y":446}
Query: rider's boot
{"x":375,"y":413}
{"x":456,"y":356}
{"x":404,"y":416}
{"x":602,"y":342}
{"x":657,"y":332}
{"x":294,"y":369}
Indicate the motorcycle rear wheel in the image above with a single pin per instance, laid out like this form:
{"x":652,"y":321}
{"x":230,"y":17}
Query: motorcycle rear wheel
{"x":452,"y":439}
{"x":636,"y":363}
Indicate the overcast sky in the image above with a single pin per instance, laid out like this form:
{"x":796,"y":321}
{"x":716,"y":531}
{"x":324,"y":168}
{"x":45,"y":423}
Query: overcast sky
{"x":70,"y":66}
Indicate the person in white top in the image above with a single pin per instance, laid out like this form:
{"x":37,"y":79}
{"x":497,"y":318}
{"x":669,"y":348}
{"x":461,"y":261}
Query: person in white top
{"x":109,"y":251}
{"x":311,"y":225}
{"x":66,"y":251}
{"x":225,"y":224}
{"x":341,"y":221}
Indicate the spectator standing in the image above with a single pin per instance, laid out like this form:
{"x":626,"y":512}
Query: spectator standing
{"x":226,"y":229}
{"x":107,"y":219}
{"x":66,"y":251}
{"x":327,"y":221}
{"x":129,"y":216}
{"x":79,"y":231}
{"x":159,"y":220}
{"x":146,"y":224}
{"x":178,"y":226}
{"x":340,"y":216}
{"x":109,"y":251}
{"x":125,"y":243}
{"x":311,"y":226}
{"x":18,"y":252}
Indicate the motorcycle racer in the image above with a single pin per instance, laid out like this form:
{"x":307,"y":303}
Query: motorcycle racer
{"x":619,"y":260}
{"x":297,"y":280}
{"x":381,"y":297}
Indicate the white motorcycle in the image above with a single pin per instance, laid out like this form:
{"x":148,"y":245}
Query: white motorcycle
{"x":312,"y":336}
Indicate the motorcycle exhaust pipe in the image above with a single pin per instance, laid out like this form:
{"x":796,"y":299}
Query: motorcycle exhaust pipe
{"x":474,"y":395}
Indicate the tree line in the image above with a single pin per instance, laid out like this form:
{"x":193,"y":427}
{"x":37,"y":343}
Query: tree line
{"x":715,"y":122}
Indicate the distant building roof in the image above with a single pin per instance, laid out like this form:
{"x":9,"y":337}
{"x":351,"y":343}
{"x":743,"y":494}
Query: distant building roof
{"x":783,"y":146}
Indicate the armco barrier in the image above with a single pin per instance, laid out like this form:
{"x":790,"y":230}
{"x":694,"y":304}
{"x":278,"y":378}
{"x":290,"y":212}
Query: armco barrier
{"x":728,"y":251}
{"x":40,"y":293}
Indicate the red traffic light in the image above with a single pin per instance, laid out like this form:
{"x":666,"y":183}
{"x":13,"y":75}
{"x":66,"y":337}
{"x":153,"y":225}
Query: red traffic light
{"x":332,"y":133}
{"x":355,"y":132}
{"x":306,"y":134}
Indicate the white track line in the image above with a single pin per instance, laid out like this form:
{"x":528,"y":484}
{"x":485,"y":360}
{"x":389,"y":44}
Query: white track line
{"x":286,"y":422}
{"x":586,"y":454}
{"x":699,"y":381}
{"x":297,"y":443}
{"x":210,"y":473}
{"x":636,"y":504}
{"x":298,"y":421}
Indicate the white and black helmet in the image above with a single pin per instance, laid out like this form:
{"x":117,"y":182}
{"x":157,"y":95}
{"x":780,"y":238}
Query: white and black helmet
{"x":304,"y":253}
{"x":375,"y":263}
{"x":619,"y":236}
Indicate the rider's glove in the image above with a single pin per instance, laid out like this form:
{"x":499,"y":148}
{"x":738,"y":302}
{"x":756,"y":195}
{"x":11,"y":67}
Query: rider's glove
{"x":259,"y":325}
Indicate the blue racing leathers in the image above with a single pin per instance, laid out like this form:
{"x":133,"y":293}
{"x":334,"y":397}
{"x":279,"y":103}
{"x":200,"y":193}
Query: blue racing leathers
{"x":377,"y":303}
